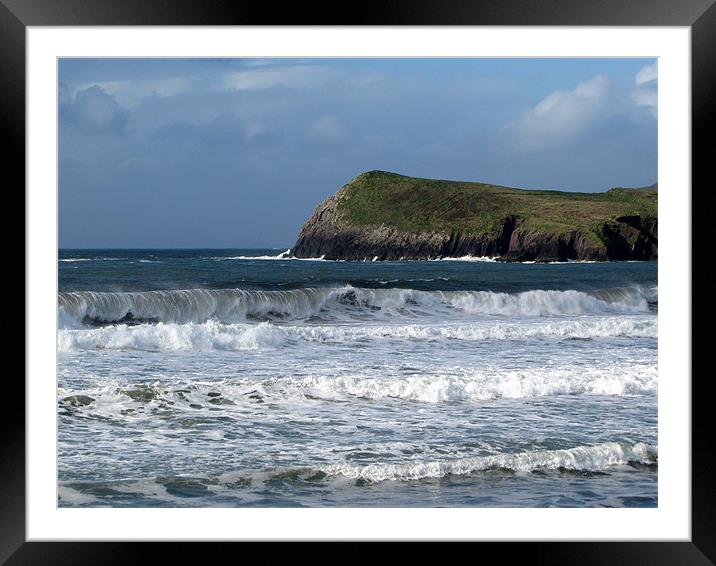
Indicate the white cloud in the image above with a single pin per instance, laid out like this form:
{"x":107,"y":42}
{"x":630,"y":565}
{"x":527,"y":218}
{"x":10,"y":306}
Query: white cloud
{"x":561,"y":116}
{"x":646,"y":74}
{"x":288,"y":77}
{"x":645,"y":97}
{"x":327,"y":130}
{"x":646,"y":92}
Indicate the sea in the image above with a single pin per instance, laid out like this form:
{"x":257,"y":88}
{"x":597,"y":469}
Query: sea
{"x":245,"y":378}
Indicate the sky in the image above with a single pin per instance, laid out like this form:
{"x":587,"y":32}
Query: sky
{"x":237,"y":153}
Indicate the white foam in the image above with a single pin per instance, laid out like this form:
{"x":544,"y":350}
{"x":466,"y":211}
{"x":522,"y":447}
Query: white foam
{"x":480,"y":385}
{"x":213,"y":335}
{"x":282,"y":256}
{"x":469,"y":258}
{"x":210,"y":335}
{"x":544,"y":303}
{"x":432,"y":386}
{"x":581,"y":458}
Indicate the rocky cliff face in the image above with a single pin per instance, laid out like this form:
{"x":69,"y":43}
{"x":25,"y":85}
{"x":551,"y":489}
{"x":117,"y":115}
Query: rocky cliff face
{"x":329,"y":234}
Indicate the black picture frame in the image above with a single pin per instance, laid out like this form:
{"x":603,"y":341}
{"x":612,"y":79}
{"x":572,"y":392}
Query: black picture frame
{"x":17,"y":15}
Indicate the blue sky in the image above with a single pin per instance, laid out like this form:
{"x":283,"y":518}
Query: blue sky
{"x":238,"y":152}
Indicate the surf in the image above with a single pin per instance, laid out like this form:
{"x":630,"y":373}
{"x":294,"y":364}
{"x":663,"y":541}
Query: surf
{"x":236,"y":305}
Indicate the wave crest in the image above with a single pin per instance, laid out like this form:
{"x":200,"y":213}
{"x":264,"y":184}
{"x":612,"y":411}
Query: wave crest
{"x":337,"y":303}
{"x":582,"y":458}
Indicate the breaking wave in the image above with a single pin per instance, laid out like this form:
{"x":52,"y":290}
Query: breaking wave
{"x":469,"y":258}
{"x":450,"y":385}
{"x":599,"y":459}
{"x":213,"y":335}
{"x":474,"y":386}
{"x":282,"y":256}
{"x":582,"y":458}
{"x":335,"y":303}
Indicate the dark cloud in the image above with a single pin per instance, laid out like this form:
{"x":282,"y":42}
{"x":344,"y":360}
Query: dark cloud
{"x":93,"y":111}
{"x":225,"y":129}
{"x":180,"y":132}
{"x":261,"y":134}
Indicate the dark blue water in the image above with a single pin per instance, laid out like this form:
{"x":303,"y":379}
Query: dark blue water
{"x":145,"y":270}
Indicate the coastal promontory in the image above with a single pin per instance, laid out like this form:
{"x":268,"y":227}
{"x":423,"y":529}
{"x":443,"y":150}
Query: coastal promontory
{"x":386,"y":216}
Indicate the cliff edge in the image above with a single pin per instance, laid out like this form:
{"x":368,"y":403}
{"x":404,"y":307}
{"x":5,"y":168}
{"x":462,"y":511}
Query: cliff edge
{"x":386,"y":216}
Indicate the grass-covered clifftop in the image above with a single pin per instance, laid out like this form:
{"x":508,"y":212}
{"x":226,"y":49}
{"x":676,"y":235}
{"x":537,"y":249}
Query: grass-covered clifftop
{"x":413,"y":204}
{"x":386,"y":215}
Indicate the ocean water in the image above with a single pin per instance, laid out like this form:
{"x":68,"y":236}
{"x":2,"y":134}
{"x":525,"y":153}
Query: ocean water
{"x":241,"y":378}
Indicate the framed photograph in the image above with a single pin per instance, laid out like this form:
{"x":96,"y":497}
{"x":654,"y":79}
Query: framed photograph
{"x":293,"y":278}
